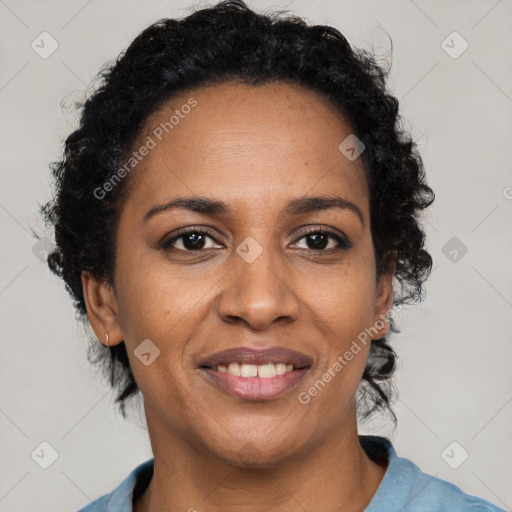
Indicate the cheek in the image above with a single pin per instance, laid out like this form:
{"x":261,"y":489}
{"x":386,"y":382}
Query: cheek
{"x":155,"y":307}
{"x":153,"y":301}
{"x":343,"y":308}
{"x":166,"y":308}
{"x":344,"y":298}
{"x":344,"y":321}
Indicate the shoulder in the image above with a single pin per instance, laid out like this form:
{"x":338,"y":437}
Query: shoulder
{"x":98,"y":505}
{"x":408,"y":489}
{"x":432,"y":494}
{"x":121,"y":498}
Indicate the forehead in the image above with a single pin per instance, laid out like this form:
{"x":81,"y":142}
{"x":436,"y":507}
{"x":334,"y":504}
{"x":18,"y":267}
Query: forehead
{"x":247,"y":144}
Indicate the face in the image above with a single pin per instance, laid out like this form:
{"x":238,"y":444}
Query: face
{"x":265,"y":270}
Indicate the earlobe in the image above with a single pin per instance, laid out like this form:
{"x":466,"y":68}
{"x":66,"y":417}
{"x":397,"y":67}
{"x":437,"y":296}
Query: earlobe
{"x":102,"y":309}
{"x":383,"y":304}
{"x":384,"y":297}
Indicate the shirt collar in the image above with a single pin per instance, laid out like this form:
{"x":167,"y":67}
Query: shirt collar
{"x":121,"y":499}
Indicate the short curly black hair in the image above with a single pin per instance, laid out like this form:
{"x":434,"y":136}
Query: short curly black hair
{"x":229,"y":41}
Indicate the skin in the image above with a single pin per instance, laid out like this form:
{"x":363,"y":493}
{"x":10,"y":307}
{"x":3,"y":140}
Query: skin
{"x":254,"y":148}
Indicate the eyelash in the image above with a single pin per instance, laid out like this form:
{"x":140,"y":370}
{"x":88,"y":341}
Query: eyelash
{"x":343,"y":244}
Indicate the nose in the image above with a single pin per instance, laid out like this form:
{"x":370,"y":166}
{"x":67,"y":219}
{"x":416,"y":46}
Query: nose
{"x":258,"y":293}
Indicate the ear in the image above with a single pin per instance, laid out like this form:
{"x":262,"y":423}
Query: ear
{"x":384,"y":296}
{"x":102,"y":309}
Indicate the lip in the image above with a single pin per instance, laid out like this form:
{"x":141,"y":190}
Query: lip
{"x":255,"y":388}
{"x":246,"y":355}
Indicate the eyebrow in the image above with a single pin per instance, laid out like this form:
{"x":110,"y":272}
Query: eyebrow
{"x":297,"y":206}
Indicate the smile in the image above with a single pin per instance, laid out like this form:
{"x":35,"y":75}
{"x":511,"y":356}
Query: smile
{"x":251,"y":382}
{"x":265,"y":371}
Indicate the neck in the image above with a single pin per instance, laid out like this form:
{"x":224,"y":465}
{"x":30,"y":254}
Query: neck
{"x":336,"y":476}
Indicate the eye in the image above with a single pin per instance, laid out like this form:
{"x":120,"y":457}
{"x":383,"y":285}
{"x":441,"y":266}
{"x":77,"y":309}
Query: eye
{"x":194,"y":240}
{"x":190,"y":240}
{"x":318,"y":240}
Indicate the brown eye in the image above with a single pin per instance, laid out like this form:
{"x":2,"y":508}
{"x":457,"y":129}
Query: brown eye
{"x":320,"y":240}
{"x":193,"y":240}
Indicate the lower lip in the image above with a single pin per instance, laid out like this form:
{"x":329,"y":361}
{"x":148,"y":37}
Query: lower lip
{"x":255,"y":388}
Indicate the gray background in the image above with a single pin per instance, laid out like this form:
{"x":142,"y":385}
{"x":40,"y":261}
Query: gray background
{"x":455,"y":349}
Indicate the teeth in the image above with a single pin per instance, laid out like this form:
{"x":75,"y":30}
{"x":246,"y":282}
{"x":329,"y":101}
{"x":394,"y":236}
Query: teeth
{"x":267,"y":371}
{"x":281,"y":368}
{"x":264,"y":371}
{"x":234,"y":369}
{"x":248,"y":370}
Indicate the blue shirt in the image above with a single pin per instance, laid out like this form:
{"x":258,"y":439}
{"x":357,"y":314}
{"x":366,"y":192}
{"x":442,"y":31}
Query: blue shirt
{"x":404,"y":488}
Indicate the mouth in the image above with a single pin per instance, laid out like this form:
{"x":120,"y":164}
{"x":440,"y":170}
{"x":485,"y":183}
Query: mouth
{"x":256,"y":374}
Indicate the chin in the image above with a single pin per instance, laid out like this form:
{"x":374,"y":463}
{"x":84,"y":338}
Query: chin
{"x":259,"y":454}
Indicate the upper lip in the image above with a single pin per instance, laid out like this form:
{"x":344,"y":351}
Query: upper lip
{"x":245,"y":355}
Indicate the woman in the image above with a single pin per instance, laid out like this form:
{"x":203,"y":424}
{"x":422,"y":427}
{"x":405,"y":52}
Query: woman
{"x":237,"y":217}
